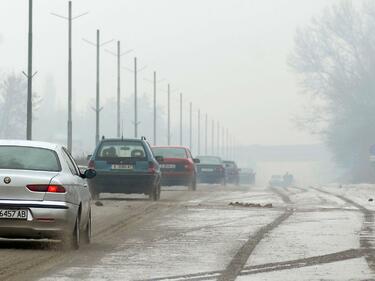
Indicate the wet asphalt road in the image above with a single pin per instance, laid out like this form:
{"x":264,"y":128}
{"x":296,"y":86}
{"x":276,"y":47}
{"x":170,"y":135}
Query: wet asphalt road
{"x":211,"y":234}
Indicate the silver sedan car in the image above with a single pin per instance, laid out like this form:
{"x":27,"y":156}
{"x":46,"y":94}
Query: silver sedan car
{"x":43,"y":194}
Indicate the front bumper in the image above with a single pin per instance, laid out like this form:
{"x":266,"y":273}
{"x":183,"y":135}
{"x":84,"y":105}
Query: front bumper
{"x":46,"y":219}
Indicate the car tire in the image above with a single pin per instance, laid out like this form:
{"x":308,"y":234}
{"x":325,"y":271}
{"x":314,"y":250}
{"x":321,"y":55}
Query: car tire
{"x":158,"y":192}
{"x":193,"y":185}
{"x":87,"y":233}
{"x":72,"y":240}
{"x":153,"y":193}
{"x":94,"y":194}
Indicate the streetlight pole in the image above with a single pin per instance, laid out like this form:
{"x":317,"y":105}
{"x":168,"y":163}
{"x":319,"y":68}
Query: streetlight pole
{"x":213,"y":137}
{"x":191,"y":126}
{"x":30,"y":74}
{"x":181,"y":119}
{"x":206,"y":135}
{"x":118,"y":56}
{"x":97,"y":109}
{"x":199,"y":131}
{"x":135,"y":99}
{"x":169,"y":116}
{"x":218,"y":139}
{"x":70,"y":20}
{"x":154,"y":107}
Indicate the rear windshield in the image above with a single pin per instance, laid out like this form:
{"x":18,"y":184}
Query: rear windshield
{"x":230,"y":165}
{"x":122,"y":149}
{"x":209,"y":160}
{"x":29,"y":158}
{"x":168,"y":152}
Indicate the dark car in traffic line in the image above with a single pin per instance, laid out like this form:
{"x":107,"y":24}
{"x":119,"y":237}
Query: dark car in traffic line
{"x":125,"y":166}
{"x":211,"y":170}
{"x":177,"y":166}
{"x":232,"y":172}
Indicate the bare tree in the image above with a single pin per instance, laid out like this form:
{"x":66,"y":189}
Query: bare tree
{"x":13,"y":106}
{"x":334,"y":57}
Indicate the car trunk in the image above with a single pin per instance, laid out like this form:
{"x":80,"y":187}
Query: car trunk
{"x":16,"y":189}
{"x":174,"y":164}
{"x":123,"y":164}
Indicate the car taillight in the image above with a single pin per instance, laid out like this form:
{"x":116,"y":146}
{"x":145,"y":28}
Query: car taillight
{"x":151,"y":167}
{"x":91,"y":164}
{"x":189,"y":166}
{"x":220,"y":169}
{"x":46,"y":188}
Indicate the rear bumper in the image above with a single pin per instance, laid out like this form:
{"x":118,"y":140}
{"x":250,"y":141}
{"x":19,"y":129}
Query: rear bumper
{"x":46,"y":219}
{"x":123,"y":183}
{"x":210,"y":177}
{"x":177,"y":178}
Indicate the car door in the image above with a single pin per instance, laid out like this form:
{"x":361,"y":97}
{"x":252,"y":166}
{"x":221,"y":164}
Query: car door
{"x":80,"y":185}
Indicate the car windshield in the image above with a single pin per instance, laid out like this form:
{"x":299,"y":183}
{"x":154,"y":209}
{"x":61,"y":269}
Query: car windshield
{"x":28,"y":158}
{"x":167,"y":152}
{"x":209,"y":160}
{"x":121,"y":149}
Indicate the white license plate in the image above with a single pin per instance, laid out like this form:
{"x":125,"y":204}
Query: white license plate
{"x":122,"y":167}
{"x":207,"y":170}
{"x":168,"y":166}
{"x":13,"y":214}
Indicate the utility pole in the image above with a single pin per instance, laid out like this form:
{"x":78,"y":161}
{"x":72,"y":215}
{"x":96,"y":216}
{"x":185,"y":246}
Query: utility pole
{"x":199,"y":131}
{"x":227,"y":145}
{"x":223,"y":142}
{"x":70,"y":20}
{"x":213,"y":137}
{"x":169,"y":116}
{"x":135,"y":71}
{"x":181,"y":119}
{"x":191,"y":126}
{"x":206,"y":135}
{"x":118,"y":55}
{"x":218,"y":139}
{"x":154,"y":107}
{"x":97,"y":109}
{"x":30,"y":75}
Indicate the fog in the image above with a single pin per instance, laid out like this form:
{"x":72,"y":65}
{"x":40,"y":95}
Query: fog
{"x":231,"y":59}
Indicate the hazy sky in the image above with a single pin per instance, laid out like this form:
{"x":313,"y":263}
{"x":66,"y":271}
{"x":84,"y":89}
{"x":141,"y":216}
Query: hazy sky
{"x":227,"y":56}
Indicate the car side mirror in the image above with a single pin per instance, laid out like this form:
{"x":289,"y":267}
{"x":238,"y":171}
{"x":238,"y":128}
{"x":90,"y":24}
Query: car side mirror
{"x":89,"y":174}
{"x":159,"y":158}
{"x":89,"y":156}
{"x":196,"y":161}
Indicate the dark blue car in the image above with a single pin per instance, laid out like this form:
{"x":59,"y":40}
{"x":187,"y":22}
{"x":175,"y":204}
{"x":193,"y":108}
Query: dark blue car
{"x":125,"y":166}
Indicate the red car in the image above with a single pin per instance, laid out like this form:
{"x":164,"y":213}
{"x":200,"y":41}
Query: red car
{"x":177,"y":167}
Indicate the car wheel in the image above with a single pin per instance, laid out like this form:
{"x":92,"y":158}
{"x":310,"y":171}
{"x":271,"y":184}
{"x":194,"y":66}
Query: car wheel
{"x":158,"y":192}
{"x":153,"y":193}
{"x":94,"y":194}
{"x":193,"y":185}
{"x":87,"y":233}
{"x":72,"y":241}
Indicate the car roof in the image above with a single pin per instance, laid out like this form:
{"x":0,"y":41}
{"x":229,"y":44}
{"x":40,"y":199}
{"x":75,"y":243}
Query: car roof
{"x":170,"y":146}
{"x":120,"y":139}
{"x":37,"y":144}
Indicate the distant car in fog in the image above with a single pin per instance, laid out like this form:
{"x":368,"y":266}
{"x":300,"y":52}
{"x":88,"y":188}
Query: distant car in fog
{"x":125,"y":166}
{"x":211,"y":170}
{"x":232,"y":172}
{"x":247,"y":176}
{"x":43,"y":194}
{"x":276,"y":181}
{"x":177,"y":166}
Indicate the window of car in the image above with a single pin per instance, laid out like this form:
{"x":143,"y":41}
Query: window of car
{"x":208,"y":160}
{"x":170,"y":152}
{"x":70,"y":162}
{"x":121,"y":149}
{"x":29,"y":158}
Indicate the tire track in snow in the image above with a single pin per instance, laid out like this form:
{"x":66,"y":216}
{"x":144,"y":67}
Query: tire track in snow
{"x":367,"y":235}
{"x":238,"y":262}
